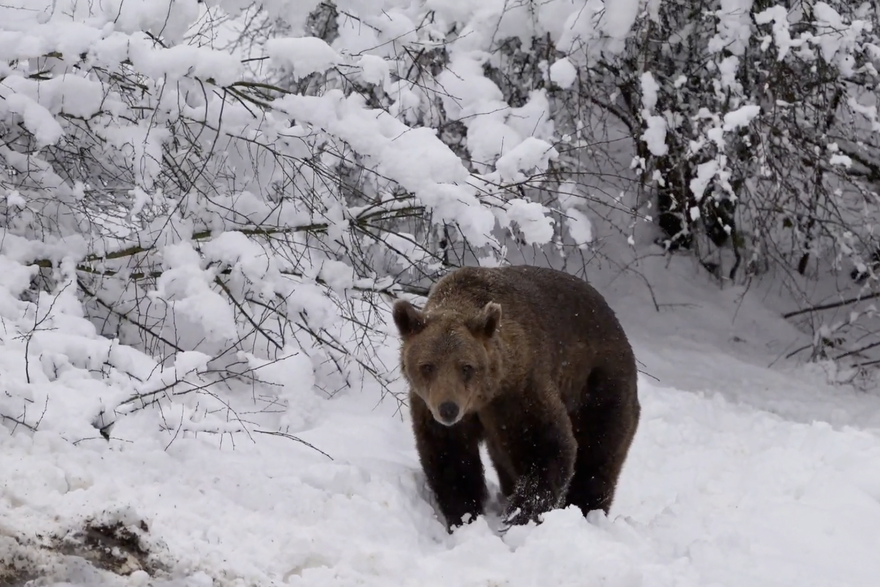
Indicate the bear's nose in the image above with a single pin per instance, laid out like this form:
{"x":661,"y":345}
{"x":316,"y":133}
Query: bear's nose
{"x":448,"y":411}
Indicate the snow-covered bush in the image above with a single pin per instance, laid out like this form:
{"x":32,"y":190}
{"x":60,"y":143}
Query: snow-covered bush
{"x":760,"y":131}
{"x":759,"y":122}
{"x":208,"y":204}
{"x":207,"y":201}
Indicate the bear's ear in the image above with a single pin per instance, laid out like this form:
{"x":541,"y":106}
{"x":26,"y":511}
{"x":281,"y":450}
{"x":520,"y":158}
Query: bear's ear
{"x":487,"y":322}
{"x":409,"y":321}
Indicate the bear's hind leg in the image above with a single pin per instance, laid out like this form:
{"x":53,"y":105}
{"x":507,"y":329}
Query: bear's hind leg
{"x":604,"y":428}
{"x":450,"y":458}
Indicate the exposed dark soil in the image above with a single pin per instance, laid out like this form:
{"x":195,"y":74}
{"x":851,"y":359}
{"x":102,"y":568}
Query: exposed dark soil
{"x":116,"y":548}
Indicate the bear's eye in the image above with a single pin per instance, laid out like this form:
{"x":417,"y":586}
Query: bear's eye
{"x":467,"y":371}
{"x":427,"y":369}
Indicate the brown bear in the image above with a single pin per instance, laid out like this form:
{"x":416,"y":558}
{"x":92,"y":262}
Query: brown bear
{"x":532,"y":361}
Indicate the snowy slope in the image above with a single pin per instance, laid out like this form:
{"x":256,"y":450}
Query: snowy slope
{"x":722,"y":340}
{"x":716,"y":491}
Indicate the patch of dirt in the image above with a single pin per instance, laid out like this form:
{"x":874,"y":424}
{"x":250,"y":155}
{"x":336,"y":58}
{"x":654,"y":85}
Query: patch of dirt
{"x":13,"y":577}
{"x":113,"y":547}
{"x":16,"y":568}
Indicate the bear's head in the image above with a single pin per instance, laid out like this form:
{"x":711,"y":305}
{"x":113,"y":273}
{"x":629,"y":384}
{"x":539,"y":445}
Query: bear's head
{"x":450,"y":358}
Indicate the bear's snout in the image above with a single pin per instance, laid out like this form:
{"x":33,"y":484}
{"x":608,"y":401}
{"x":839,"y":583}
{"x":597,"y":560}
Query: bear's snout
{"x":448,"y":412}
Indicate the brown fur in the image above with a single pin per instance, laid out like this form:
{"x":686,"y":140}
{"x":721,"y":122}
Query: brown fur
{"x":540,"y":369}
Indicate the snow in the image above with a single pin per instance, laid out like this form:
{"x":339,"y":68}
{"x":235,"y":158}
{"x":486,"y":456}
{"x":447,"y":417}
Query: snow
{"x":838,"y":159}
{"x":618,"y":22}
{"x":530,"y":154}
{"x":778,"y":15}
{"x":302,"y":55}
{"x":563,"y":73}
{"x":728,"y":68}
{"x":650,"y":88}
{"x":580,"y":228}
{"x":580,"y":29}
{"x":185,"y":288}
{"x":169,"y":18}
{"x":655,"y":135}
{"x":536,"y":227}
{"x":532,"y":119}
{"x":35,"y":118}
{"x":717,"y":490}
{"x":180,"y":61}
{"x":741,"y":117}
{"x":414,"y":157}
{"x":70,"y":94}
{"x":734,"y":27}
{"x":655,"y":131}
{"x":374,"y":69}
{"x":705,"y":172}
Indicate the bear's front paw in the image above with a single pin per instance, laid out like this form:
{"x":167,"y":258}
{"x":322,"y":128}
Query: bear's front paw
{"x":518,"y":517}
{"x":523,"y":508}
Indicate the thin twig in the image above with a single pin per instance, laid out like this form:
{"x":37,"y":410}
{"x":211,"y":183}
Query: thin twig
{"x":832,"y":305}
{"x":294,"y":438}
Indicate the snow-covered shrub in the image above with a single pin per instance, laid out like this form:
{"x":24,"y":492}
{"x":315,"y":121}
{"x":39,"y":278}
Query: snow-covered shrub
{"x":231,"y":191}
{"x":755,"y":122}
{"x":207,"y":201}
{"x":759,"y":127}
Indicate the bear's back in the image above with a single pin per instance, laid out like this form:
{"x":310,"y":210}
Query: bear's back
{"x":567,"y":324}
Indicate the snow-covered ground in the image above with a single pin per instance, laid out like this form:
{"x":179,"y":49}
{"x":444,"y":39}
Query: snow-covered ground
{"x":740,"y":475}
